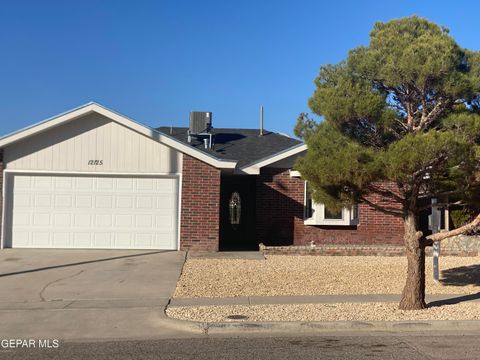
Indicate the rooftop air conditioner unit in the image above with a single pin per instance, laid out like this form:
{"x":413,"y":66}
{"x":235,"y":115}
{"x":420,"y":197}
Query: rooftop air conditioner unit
{"x":200,"y":122}
{"x":201,"y":127}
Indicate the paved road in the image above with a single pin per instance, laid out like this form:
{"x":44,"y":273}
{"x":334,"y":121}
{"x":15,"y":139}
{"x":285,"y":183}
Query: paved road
{"x":318,"y":347}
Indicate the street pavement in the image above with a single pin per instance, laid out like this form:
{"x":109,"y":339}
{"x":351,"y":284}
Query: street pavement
{"x":355,"y":347}
{"x":110,"y":305}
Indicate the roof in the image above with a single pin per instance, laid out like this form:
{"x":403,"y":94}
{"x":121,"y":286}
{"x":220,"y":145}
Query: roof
{"x":245,"y":146}
{"x":92,"y":107}
{"x":240,"y":149}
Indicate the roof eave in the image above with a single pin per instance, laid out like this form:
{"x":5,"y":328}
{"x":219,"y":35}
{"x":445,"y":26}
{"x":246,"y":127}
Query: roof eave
{"x":121,"y":119}
{"x":254,"y":168}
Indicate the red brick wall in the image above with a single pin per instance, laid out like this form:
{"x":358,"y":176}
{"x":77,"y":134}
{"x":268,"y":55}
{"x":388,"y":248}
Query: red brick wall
{"x":200,"y":217}
{"x":280,"y":217}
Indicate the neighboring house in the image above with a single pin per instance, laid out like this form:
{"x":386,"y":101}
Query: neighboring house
{"x":92,"y":178}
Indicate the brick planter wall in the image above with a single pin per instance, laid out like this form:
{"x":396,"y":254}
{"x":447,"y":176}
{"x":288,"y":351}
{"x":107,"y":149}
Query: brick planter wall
{"x":280,"y":217}
{"x":356,"y":250}
{"x":200,"y":217}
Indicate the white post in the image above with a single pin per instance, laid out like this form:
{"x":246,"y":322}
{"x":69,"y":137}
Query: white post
{"x":436,"y":222}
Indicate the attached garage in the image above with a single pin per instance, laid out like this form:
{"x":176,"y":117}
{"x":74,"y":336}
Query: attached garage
{"x":91,"y":212}
{"x":91,"y":178}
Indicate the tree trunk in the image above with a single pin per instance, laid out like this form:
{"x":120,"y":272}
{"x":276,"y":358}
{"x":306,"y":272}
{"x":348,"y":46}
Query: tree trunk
{"x":413,"y":295}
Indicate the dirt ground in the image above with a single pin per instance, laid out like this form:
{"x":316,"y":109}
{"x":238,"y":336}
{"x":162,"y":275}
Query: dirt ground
{"x":319,"y":275}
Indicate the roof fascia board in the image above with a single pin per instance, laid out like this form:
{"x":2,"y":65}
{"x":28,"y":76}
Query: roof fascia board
{"x":254,"y":168}
{"x":142,"y":129}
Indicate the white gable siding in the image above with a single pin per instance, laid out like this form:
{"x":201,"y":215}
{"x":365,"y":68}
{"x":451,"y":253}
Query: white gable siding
{"x":72,"y":146}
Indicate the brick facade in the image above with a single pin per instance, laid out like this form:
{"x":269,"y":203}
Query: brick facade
{"x":200,"y":218}
{"x":280,"y":217}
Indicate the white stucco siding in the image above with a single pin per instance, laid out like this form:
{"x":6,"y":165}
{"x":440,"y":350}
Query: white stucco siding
{"x":80,"y":144}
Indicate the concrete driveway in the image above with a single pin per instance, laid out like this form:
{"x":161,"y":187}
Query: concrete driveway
{"x":87,"y":276}
{"x":86,"y":293}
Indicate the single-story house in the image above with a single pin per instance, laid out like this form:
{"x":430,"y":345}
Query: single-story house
{"x":93,"y":178}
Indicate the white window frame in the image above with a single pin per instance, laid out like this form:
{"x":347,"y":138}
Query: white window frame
{"x":350,"y":216}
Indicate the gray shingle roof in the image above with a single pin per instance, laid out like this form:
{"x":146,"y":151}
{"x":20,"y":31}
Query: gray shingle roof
{"x":242,"y":145}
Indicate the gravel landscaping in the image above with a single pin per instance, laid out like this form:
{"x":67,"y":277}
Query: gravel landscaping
{"x":326,"y":312}
{"x":319,"y":275}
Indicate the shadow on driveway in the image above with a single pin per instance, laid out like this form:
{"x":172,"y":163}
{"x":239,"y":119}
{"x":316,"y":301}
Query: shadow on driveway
{"x":82,"y":263}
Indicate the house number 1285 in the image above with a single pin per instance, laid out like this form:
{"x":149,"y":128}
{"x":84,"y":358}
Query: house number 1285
{"x":95,"y":162}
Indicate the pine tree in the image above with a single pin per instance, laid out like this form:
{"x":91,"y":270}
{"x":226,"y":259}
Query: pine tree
{"x":403,"y":110}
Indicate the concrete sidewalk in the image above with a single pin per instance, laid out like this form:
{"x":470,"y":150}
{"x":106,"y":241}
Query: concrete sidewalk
{"x":321,"y":327}
{"x":434,"y":300}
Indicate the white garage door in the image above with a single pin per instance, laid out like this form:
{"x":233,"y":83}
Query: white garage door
{"x":93,"y":212}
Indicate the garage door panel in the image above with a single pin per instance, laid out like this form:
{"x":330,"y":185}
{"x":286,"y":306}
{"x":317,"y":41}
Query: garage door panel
{"x":94,"y":212}
{"x":144,"y":240}
{"x":61,"y":239}
{"x":83,"y":183}
{"x":42,"y":183}
{"x":63,"y":183}
{"x":23,"y":200}
{"x":41,"y":201}
{"x":41,"y":239}
{"x":82,"y":240}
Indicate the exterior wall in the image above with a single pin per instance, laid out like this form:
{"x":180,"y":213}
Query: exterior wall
{"x":70,"y":147}
{"x":2,"y":176}
{"x":280,"y":206}
{"x":200,"y":211}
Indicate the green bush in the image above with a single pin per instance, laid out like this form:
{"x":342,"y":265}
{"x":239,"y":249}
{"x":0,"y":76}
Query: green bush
{"x":460,"y":217}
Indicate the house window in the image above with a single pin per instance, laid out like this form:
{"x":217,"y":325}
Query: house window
{"x":332,"y":214}
{"x":235,"y":207}
{"x":319,"y":214}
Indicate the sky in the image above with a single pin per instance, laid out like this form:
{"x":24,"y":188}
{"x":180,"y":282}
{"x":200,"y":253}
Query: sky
{"x":155,"y":61}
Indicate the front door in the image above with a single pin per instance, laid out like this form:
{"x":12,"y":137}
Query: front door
{"x":237,"y":213}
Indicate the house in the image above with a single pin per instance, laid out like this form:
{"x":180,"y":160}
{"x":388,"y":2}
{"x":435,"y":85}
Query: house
{"x":93,"y":178}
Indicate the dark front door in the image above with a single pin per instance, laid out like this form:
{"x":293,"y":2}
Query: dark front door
{"x":237,"y":213}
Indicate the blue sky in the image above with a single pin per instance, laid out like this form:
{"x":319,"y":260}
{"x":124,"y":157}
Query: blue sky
{"x":155,"y":61}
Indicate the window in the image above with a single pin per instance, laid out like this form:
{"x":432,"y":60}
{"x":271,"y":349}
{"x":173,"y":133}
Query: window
{"x":319,"y":214}
{"x":332,"y":214}
{"x":235,"y":207}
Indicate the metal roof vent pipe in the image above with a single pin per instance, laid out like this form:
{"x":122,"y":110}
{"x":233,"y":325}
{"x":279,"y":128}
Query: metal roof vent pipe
{"x":261,"y":120}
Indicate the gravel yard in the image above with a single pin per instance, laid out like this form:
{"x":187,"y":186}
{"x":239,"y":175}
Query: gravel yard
{"x":326,"y":312}
{"x":319,"y":275}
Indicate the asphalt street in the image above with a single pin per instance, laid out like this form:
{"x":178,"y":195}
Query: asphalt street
{"x":367,"y":346}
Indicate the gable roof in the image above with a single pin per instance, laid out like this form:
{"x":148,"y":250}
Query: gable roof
{"x":92,"y":107}
{"x":240,"y":149}
{"x":244,"y":146}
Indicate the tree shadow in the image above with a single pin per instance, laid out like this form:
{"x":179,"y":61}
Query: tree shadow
{"x":461,"y":276}
{"x":455,"y":300}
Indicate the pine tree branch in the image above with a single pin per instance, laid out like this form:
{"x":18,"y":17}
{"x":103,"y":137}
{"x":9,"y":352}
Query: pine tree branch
{"x":427,"y":119}
{"x":461,"y":230}
{"x":385,"y":192}
{"x":385,"y":210}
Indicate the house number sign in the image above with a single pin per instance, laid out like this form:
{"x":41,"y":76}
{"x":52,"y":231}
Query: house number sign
{"x":95,"y":162}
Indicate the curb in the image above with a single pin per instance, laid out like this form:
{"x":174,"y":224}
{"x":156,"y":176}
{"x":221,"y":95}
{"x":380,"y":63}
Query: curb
{"x":215,"y":328}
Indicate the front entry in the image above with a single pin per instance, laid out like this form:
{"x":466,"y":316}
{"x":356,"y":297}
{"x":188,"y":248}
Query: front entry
{"x":237,"y":213}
